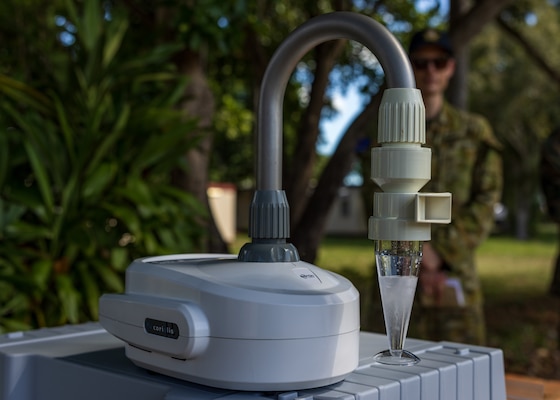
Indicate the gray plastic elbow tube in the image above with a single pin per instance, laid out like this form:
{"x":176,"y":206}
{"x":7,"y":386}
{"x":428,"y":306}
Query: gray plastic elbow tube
{"x":337,"y":25}
{"x":269,"y":223}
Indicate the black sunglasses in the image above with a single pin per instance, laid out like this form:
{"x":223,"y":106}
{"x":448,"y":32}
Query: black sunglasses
{"x":423,"y":63}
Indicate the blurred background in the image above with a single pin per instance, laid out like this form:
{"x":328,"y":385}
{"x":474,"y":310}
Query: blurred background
{"x":127,"y":129}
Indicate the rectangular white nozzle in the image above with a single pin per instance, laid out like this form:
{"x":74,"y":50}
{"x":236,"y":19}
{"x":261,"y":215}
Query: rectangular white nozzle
{"x":433,"y":208}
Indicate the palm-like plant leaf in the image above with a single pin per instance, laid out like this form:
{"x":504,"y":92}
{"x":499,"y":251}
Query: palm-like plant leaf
{"x":85,"y":167}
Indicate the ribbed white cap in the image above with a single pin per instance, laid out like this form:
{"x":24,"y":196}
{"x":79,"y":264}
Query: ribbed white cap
{"x":402,"y":117}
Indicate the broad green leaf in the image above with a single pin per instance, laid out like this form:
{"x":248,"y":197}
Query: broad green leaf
{"x":113,"y":281}
{"x":13,"y":325}
{"x":24,"y":94}
{"x":167,"y":237}
{"x":72,"y":250}
{"x":40,"y":273}
{"x":91,"y":289}
{"x":25,"y":129}
{"x":173,"y":98}
{"x":69,"y":298}
{"x":29,"y":198}
{"x":99,"y":180}
{"x":40,"y":175}
{"x":145,"y":211}
{"x":70,"y":199}
{"x":151,"y":243}
{"x":26,"y":231}
{"x":120,"y":258}
{"x":158,"y":55}
{"x":138,"y":191}
{"x":186,"y":200}
{"x":20,"y":283}
{"x":4,"y":159}
{"x":9,"y":213}
{"x":65,"y":127}
{"x":14,"y":302}
{"x":127,"y":216}
{"x":15,"y":258}
{"x":158,"y":149}
{"x":81,"y":80}
{"x":114,"y":42}
{"x":99,"y":103}
{"x":92,"y":24}
{"x":110,"y":140}
{"x":156,"y":77}
{"x":72,"y":12}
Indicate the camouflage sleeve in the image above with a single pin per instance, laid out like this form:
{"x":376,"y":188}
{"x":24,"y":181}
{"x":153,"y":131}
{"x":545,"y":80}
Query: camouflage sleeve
{"x":473,"y":219}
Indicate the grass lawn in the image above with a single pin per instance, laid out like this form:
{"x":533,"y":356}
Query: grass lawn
{"x":522,"y":319}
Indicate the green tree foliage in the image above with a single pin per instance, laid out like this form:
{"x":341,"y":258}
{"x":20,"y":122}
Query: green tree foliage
{"x":511,"y":88}
{"x":237,"y":75}
{"x":89,"y":131}
{"x":89,"y":135}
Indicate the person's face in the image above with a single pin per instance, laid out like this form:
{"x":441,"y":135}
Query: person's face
{"x":433,"y":68}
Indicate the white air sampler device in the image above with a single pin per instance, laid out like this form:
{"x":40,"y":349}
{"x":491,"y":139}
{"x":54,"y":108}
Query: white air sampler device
{"x":265,"y":320}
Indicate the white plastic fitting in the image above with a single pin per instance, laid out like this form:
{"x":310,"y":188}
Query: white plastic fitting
{"x":401,"y":167}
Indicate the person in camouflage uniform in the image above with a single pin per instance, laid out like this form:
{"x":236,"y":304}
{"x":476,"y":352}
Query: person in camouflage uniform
{"x":550,"y":183}
{"x":466,"y":161}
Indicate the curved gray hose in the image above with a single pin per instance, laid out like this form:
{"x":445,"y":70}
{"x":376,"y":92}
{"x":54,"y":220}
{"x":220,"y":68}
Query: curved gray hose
{"x":337,"y":25}
{"x":269,"y":223}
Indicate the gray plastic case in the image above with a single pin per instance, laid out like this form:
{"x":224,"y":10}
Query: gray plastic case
{"x":87,"y":363}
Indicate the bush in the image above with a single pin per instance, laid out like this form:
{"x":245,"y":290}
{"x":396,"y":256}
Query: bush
{"x":86,"y":156}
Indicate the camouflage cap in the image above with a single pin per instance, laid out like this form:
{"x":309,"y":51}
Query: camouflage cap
{"x":430,"y":37}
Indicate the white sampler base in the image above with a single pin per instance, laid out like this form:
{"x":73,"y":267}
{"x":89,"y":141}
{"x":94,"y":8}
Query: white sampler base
{"x":87,"y":363}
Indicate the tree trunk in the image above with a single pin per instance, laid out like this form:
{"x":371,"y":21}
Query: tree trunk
{"x":300,"y":170}
{"x":308,"y":233}
{"x":532,"y":52}
{"x":457,"y":93}
{"x":199,"y":103}
{"x":521,"y":159}
{"x":465,"y":22}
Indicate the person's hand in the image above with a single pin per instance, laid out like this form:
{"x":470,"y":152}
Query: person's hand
{"x":432,"y":277}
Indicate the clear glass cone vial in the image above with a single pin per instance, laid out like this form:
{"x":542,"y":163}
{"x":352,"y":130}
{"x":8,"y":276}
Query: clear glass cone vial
{"x":398,"y":263}
{"x":398,"y":257}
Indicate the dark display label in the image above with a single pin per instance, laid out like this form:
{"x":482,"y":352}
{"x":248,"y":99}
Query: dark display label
{"x":161,"y":328}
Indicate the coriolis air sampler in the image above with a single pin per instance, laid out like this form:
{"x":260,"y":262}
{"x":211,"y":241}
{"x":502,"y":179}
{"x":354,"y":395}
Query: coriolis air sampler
{"x":263,"y":320}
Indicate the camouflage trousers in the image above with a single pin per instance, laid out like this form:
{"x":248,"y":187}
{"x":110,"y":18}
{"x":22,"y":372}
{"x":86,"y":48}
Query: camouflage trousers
{"x":461,"y":324}
{"x":449,"y":320}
